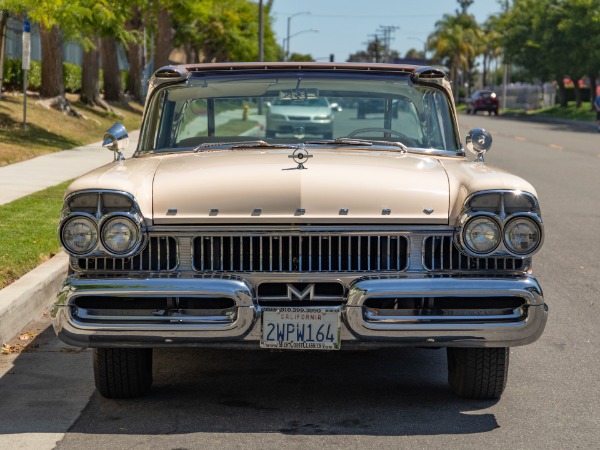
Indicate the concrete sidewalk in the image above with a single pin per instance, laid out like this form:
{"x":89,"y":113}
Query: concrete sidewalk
{"x":26,"y":177}
{"x":29,"y":297}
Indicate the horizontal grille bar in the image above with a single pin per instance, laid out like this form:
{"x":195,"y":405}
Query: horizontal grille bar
{"x":440,"y":253}
{"x":301,"y":253}
{"x":160,"y":254}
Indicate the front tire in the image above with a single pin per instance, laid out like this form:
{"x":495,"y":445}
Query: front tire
{"x":478,"y":373}
{"x":123,"y":372}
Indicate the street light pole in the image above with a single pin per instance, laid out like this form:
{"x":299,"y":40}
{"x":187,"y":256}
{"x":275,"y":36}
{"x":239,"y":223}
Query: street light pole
{"x":287,"y":40}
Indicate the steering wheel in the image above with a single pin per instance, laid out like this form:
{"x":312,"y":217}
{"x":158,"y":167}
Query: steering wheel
{"x":402,"y":136}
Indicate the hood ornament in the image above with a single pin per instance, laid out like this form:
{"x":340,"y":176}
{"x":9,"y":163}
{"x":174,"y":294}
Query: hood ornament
{"x":300,"y":157}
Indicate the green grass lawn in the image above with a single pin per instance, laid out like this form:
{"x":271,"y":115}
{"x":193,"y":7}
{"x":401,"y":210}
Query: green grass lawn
{"x":28,"y":232}
{"x":49,"y":130}
{"x":584,"y":113}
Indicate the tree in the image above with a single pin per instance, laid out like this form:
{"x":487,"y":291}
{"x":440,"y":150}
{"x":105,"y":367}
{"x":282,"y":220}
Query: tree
{"x":113,"y":89}
{"x":493,"y":46}
{"x":223,"y":30}
{"x":456,"y":42}
{"x":373,"y":53}
{"x":164,"y":36}
{"x":52,"y":70}
{"x":134,"y":52}
{"x":532,"y":40}
{"x":299,"y":57}
{"x":90,"y":74}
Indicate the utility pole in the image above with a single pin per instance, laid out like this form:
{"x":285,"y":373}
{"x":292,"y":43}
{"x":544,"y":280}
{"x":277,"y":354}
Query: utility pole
{"x":374,"y":45}
{"x":387,"y":31}
{"x":505,"y":69}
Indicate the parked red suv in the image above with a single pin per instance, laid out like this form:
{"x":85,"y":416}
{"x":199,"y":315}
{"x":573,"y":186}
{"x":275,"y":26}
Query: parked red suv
{"x":484,"y":100}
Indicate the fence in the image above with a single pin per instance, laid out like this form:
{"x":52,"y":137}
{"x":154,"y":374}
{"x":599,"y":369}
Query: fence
{"x":527,"y":96}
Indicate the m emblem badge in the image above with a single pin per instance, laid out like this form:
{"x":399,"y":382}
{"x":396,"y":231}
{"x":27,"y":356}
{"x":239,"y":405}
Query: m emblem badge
{"x":295,"y":294}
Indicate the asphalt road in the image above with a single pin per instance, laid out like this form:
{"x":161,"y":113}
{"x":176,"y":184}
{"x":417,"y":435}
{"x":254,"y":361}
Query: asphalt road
{"x":384,"y":399}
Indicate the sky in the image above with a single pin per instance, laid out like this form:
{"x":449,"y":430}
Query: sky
{"x":345,"y":26}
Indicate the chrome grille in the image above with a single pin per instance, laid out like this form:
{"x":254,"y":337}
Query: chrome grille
{"x":301,"y":253}
{"x":440,"y":254}
{"x":160,"y":254}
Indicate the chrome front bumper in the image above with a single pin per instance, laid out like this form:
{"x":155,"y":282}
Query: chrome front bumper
{"x":238,"y":322}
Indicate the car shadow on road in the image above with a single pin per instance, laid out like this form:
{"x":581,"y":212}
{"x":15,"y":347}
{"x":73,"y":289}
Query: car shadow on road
{"x":390,"y":392}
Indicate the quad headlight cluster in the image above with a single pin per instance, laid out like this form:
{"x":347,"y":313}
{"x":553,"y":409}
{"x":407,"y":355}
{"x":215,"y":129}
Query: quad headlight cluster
{"x":501,"y":223}
{"x":113,"y":233}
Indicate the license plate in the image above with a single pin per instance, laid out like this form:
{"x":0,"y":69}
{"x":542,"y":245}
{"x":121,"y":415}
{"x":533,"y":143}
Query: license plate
{"x":310,"y":328}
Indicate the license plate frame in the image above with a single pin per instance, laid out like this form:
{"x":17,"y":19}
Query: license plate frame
{"x":301,"y":328}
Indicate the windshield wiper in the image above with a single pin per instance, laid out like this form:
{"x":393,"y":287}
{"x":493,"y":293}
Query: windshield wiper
{"x":240,"y":145}
{"x":359,"y":142}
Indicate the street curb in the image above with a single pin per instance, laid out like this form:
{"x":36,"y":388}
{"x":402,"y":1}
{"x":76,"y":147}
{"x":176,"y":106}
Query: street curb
{"x":29,"y":297}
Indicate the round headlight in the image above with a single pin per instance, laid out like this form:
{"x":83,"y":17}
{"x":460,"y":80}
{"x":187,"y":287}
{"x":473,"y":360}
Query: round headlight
{"x":522,"y":235}
{"x":120,"y":235}
{"x":79,"y":235}
{"x":482,"y":235}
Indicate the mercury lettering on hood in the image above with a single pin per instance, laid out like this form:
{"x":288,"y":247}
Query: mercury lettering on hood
{"x":338,"y":186}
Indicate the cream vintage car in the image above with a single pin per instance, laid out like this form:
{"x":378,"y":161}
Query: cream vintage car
{"x":384,"y":235}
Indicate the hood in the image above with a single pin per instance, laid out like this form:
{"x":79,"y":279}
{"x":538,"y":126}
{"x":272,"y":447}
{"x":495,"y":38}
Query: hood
{"x":264,"y":186}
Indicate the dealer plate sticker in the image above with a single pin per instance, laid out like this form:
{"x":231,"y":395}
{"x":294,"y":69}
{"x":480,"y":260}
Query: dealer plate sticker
{"x":301,"y":328}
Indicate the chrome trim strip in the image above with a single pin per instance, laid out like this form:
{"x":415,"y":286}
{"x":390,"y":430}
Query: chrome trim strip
{"x":525,"y":287}
{"x":371,"y":316}
{"x":299,"y":229}
{"x":84,"y":315}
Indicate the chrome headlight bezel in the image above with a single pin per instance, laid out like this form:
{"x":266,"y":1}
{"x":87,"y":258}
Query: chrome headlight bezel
{"x":505,"y":213}
{"x":69,"y":220}
{"x":134,"y":219}
{"x":529,"y":218}
{"x":100,"y":209}
{"x":464,"y":239}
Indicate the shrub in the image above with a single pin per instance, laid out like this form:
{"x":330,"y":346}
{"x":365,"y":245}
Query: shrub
{"x":13,"y":76}
{"x":72,"y":77}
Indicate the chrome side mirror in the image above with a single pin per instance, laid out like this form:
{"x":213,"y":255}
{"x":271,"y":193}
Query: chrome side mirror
{"x":479,"y":142}
{"x":116,"y":139}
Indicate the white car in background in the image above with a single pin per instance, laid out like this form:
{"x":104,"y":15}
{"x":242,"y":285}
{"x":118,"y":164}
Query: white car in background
{"x":300,"y":117}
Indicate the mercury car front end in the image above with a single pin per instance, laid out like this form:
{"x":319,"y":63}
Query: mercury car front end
{"x":382,"y":234}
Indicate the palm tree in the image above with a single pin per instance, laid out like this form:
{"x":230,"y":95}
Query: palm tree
{"x":457,"y":41}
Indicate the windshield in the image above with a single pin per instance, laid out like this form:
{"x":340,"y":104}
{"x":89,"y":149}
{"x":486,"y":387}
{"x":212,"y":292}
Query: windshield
{"x":290,"y":108}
